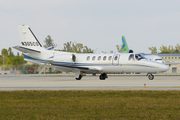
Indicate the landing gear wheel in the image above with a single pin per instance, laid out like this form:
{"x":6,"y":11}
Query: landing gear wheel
{"x":80,"y":76}
{"x":150,"y":76}
{"x":103,"y":76}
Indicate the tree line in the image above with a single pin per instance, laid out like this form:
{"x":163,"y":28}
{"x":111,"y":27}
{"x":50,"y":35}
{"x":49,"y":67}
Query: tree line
{"x":8,"y":58}
{"x":166,"y":49}
{"x":68,"y":47}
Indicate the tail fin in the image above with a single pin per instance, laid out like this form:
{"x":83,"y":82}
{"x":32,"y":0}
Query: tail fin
{"x":27,"y":37}
{"x":125,"y":48}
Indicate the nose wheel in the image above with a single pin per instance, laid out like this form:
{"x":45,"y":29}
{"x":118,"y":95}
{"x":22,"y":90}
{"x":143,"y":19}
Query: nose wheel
{"x":150,"y":76}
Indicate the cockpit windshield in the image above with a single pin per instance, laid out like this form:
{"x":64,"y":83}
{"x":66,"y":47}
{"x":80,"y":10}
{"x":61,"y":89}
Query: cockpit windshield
{"x":136,"y":57}
{"x":139,"y":57}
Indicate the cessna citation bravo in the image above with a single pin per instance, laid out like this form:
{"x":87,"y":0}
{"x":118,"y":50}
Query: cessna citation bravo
{"x":85,"y":63}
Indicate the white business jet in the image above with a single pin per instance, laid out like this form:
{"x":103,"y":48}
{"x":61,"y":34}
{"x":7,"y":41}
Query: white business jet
{"x":87,"y":62}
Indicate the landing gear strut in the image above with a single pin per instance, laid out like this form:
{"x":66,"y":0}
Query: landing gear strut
{"x":79,"y":78}
{"x":103,"y":76}
{"x":150,"y":76}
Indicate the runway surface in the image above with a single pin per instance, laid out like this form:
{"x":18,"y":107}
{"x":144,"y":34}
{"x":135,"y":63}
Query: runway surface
{"x":24,"y":82}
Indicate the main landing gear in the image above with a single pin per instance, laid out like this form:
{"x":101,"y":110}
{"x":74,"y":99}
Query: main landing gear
{"x":78,"y":74}
{"x":150,"y":76}
{"x":79,"y":78}
{"x":103,"y":76}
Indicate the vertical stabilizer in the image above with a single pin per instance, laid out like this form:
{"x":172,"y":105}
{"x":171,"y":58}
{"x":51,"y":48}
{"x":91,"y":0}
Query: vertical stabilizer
{"x":125,"y":48}
{"x":27,"y":37}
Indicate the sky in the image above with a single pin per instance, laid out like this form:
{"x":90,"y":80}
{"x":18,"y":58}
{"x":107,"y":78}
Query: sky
{"x":98,"y":24}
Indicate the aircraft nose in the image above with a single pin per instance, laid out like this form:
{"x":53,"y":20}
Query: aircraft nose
{"x":164,"y":68}
{"x":161,"y":61}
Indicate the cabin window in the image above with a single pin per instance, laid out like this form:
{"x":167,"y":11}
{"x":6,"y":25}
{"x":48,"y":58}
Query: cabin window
{"x":175,"y":57}
{"x":179,"y":57}
{"x":110,"y":57}
{"x":104,"y":58}
{"x":99,"y":58}
{"x":131,"y":56}
{"x":94,"y":57}
{"x":88,"y":57}
{"x":116,"y":57}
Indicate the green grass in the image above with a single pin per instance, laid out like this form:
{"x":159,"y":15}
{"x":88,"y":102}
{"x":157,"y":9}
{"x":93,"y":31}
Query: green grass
{"x":97,"y":105}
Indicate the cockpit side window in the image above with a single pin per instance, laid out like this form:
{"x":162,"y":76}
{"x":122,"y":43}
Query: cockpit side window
{"x":131,"y":57}
{"x":139,"y":57}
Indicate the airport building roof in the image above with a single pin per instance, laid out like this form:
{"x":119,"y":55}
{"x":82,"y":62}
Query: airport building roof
{"x":165,"y":55}
{"x":168,"y":54}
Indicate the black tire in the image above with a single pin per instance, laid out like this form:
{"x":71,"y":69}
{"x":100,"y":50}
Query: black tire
{"x":80,"y":76}
{"x":101,"y":77}
{"x":151,"y":77}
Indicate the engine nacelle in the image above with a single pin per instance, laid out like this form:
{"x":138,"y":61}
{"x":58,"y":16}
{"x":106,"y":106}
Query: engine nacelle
{"x":65,"y":58}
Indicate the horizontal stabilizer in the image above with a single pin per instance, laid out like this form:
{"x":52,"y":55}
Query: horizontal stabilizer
{"x":26,"y":50}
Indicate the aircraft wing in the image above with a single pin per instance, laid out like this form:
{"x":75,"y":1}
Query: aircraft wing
{"x":171,"y":64}
{"x":26,"y":50}
{"x":81,"y":68}
{"x":70,"y":66}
